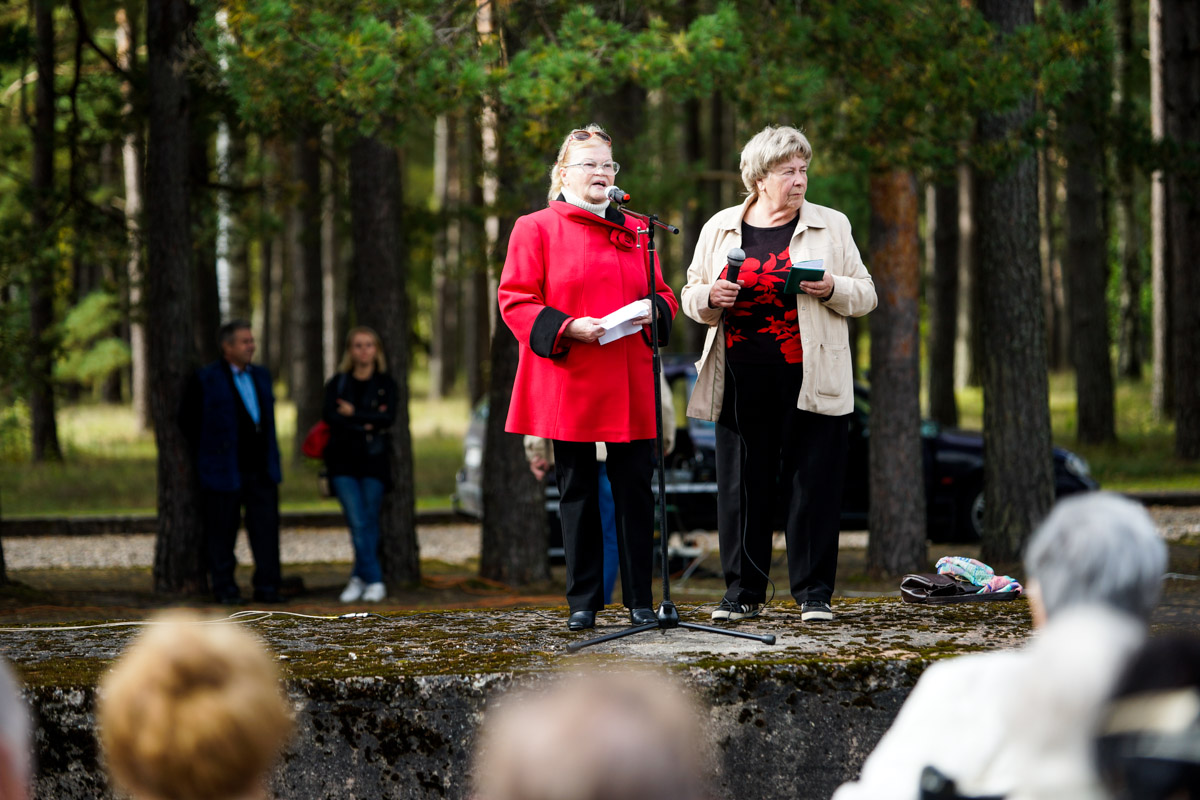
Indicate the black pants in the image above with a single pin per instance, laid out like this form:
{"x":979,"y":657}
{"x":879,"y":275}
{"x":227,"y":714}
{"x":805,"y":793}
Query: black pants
{"x":629,"y":465}
{"x":223,"y":516}
{"x":765,"y":446}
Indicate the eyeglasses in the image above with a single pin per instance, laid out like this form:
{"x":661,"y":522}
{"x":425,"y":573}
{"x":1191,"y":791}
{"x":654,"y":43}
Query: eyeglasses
{"x":592,"y":166}
{"x":580,"y":135}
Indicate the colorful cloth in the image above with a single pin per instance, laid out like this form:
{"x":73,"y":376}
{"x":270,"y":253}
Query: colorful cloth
{"x":978,"y":573}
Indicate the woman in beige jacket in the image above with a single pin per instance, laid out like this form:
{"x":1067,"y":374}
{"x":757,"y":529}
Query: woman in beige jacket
{"x":776,"y":375}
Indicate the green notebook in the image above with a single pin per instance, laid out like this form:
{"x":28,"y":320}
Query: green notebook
{"x":803,"y":271}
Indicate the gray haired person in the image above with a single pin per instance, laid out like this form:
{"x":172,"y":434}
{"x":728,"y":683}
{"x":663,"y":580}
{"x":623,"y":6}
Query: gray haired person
{"x":1094,"y":571}
{"x":16,"y":755}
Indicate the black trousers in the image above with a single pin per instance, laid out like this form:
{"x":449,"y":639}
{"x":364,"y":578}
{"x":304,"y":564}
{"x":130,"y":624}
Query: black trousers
{"x":767,"y":446}
{"x":630,"y":466}
{"x":223,"y":516}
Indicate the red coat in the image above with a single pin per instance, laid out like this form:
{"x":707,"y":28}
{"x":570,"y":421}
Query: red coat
{"x":564,"y":262}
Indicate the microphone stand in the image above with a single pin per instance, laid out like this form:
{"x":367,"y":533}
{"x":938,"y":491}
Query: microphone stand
{"x":668,"y":615}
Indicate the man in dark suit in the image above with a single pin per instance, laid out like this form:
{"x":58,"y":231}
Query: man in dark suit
{"x":228,"y":415}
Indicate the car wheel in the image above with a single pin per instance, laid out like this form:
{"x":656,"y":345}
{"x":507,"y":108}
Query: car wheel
{"x":970,"y":514}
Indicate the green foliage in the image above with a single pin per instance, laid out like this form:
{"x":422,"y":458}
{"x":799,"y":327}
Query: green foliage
{"x":89,"y":351}
{"x":360,"y":66}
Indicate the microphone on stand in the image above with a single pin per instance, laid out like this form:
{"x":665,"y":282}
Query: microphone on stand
{"x":616,"y":195}
{"x":734,"y":259}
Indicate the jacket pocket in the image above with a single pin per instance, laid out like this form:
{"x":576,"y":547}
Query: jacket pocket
{"x":834,"y":376}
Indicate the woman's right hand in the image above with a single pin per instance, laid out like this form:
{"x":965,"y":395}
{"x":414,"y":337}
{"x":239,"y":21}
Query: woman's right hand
{"x":345,"y":408}
{"x":723,"y":294}
{"x":584,"y":329}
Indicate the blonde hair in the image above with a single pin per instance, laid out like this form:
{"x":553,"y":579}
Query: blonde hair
{"x":568,"y":142}
{"x":347,"y":364}
{"x":609,"y":736}
{"x":192,"y":711}
{"x":771,"y":146}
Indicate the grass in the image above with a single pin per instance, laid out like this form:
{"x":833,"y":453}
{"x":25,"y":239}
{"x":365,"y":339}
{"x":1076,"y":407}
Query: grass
{"x":109,"y":465}
{"x":1142,"y":458}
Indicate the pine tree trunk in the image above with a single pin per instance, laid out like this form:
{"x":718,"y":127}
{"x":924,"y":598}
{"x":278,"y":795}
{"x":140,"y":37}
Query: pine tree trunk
{"x":334,"y":272}
{"x":942,"y":216}
{"x":1058,"y":333}
{"x":206,"y":308}
{"x":380,"y":301}
{"x":1131,"y":346}
{"x":515,"y":533}
{"x":968,"y":359}
{"x":1181,"y":98}
{"x":178,"y":561}
{"x":238,"y":241}
{"x":897,"y":517}
{"x":442,"y":343}
{"x":1162,"y":387}
{"x":131,"y":154}
{"x":1018,"y":477}
{"x":475,"y":330}
{"x":41,"y":268}
{"x":307,"y":372}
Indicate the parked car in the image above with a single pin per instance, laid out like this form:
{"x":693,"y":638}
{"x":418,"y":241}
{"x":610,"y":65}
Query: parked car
{"x":953,"y":470}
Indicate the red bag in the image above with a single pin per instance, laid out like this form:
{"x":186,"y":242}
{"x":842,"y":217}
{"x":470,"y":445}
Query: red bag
{"x":315,"y":440}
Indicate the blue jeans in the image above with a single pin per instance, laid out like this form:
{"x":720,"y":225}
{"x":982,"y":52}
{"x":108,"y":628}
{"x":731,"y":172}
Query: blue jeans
{"x":361,"y":499}
{"x":608,"y":524}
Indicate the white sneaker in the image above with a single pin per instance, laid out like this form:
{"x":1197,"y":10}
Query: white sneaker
{"x":374,"y":593}
{"x":353,"y":591}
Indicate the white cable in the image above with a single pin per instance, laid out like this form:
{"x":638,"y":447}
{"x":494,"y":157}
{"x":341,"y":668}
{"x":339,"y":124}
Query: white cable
{"x":238,"y":618}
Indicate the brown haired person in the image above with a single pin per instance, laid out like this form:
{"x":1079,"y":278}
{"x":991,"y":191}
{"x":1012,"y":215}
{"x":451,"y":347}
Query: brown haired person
{"x":193,"y":711}
{"x":360,"y":407}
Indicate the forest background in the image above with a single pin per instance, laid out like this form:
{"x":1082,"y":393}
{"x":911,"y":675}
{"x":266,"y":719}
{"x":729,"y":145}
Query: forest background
{"x":1022,"y":179}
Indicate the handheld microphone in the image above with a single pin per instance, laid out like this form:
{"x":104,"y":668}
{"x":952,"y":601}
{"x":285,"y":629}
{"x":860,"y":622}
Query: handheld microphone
{"x":735,"y":258}
{"x":616,"y":195}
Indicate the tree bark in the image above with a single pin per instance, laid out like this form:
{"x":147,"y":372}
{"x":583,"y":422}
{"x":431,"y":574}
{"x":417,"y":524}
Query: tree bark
{"x":1162,"y":386}
{"x":942,"y":216}
{"x":307,"y":372}
{"x":206,"y":308}
{"x":179,"y":565}
{"x":515,"y":533}
{"x":967,"y":356}
{"x":1131,"y":344}
{"x":1058,"y":329}
{"x":44,"y":427}
{"x":475,"y":331}
{"x":334,"y":272}
{"x":131,"y":153}
{"x":1181,"y":101}
{"x":1018,"y":476}
{"x":897,"y":517}
{"x":442,"y":337}
{"x":1087,"y":253}
{"x":380,"y":301}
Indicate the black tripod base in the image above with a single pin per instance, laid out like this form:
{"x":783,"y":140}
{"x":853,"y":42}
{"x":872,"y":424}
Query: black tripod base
{"x":668,"y":617}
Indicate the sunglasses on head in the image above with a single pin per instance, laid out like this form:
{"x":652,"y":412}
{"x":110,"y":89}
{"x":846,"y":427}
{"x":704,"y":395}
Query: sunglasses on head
{"x":581,"y":135}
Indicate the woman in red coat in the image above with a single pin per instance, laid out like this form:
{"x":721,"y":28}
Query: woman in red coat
{"x":569,"y":266}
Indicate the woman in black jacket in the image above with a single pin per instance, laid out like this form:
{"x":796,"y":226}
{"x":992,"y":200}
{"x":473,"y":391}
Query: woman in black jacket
{"x":360,"y":406}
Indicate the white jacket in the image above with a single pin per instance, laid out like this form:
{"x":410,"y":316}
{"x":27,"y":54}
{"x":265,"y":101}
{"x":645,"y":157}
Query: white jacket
{"x":823,"y":233}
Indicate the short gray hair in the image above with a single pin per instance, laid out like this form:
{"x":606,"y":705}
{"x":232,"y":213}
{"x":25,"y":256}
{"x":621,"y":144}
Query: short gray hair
{"x":1098,"y":549}
{"x":772,"y":145}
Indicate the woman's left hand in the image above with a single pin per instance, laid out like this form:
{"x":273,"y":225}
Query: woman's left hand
{"x":644,"y":319}
{"x":822,"y":289}
{"x":345,"y":408}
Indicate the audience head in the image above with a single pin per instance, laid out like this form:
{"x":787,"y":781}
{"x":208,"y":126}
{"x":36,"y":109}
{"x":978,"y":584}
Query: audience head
{"x":363,"y":345}
{"x":192,"y":711}
{"x":237,"y":342}
{"x":593,"y":737}
{"x":15,"y":746}
{"x":1096,"y":549}
{"x":1149,"y":747}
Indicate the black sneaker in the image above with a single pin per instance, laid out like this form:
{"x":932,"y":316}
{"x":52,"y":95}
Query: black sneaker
{"x":735,"y":611}
{"x":816,"y":611}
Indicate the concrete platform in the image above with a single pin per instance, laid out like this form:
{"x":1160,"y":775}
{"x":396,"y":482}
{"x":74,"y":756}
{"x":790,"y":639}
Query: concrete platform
{"x":387,"y":707}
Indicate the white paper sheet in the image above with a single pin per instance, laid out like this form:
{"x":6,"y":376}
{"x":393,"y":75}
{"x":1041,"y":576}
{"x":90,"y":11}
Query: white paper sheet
{"x":617,"y":325}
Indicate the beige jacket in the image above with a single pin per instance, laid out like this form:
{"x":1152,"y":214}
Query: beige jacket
{"x":821,"y":232}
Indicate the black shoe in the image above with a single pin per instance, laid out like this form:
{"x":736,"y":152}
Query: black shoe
{"x":734,"y":611}
{"x":581,"y":620}
{"x":816,"y":611}
{"x":268,"y":596}
{"x":642,"y":616}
